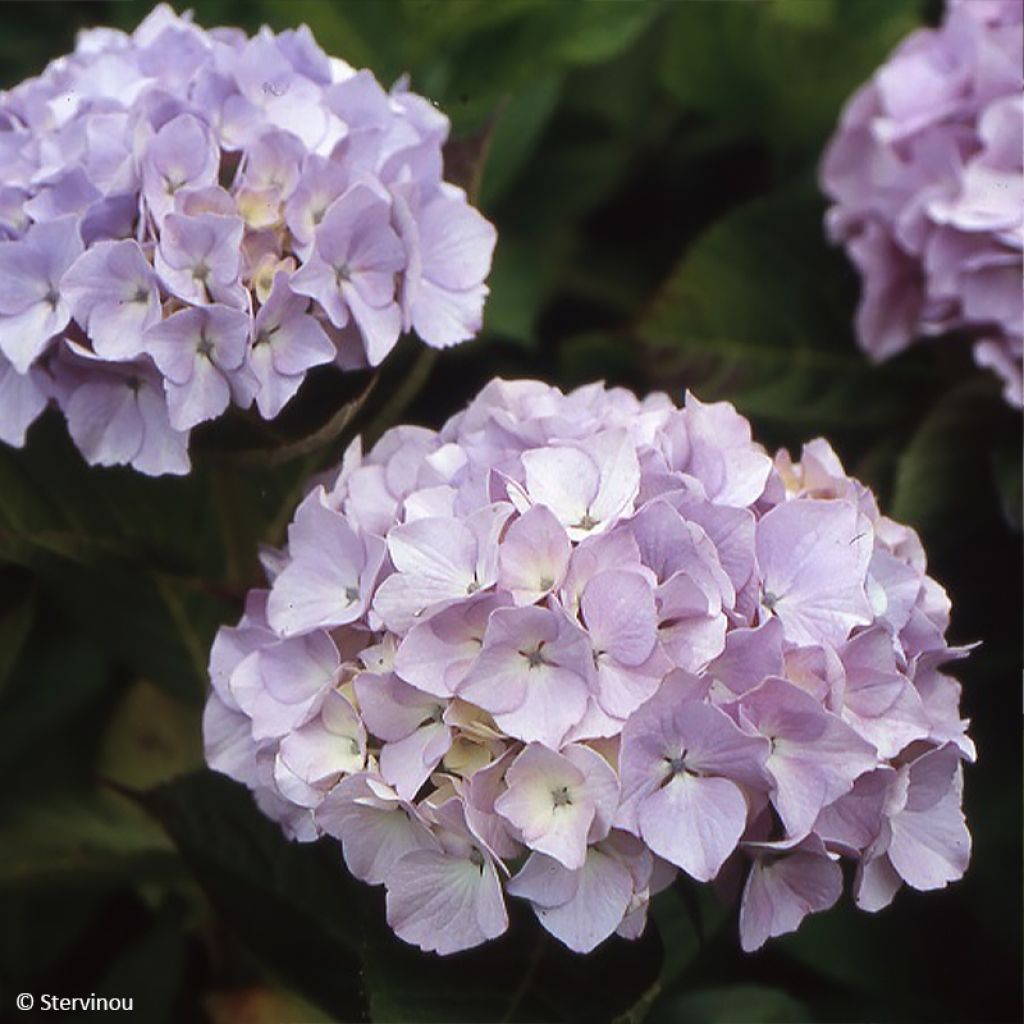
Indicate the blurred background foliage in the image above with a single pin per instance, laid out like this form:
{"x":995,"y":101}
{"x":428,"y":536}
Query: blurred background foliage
{"x":651,"y":169}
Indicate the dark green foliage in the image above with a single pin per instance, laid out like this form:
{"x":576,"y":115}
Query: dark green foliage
{"x":651,"y":169}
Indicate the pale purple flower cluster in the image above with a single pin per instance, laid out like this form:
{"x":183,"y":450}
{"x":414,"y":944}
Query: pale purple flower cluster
{"x":572,"y":644}
{"x":927,"y":175}
{"x":191,"y":219}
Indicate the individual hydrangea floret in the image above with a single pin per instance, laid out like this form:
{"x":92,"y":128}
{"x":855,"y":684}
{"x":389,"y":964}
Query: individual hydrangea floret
{"x":195,"y":219}
{"x":571,"y":645}
{"x":926,"y":174}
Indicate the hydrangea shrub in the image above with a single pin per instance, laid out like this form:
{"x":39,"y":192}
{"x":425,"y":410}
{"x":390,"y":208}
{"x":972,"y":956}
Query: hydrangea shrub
{"x":926,"y":174}
{"x":193,"y":219}
{"x":573,"y":644}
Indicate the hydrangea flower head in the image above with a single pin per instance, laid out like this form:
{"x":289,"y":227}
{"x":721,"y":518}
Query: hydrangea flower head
{"x":927,"y":179}
{"x":215,"y":215}
{"x":571,"y":645}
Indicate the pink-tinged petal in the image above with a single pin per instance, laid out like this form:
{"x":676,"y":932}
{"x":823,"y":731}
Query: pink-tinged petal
{"x":318,"y":280}
{"x":813,"y":558}
{"x":600,"y":786}
{"x":546,"y":801}
{"x":613,"y":550}
{"x":619,"y":613}
{"x":112,"y":291}
{"x":443,"y":903}
{"x":722,"y":455}
{"x":329,"y":578}
{"x":497,"y":680}
{"x":319,"y":752}
{"x":891,"y":292}
{"x":227,"y":741}
{"x":483,"y":788}
{"x":275,"y":390}
{"x":22,"y":399}
{"x":597,"y":907}
{"x":375,"y":827}
{"x":614,"y":451}
{"x":555,"y":701}
{"x":898,"y":584}
{"x":25,"y":335}
{"x":436,"y":655}
{"x":444,"y":318}
{"x":815,"y":756}
{"x":595,"y":724}
{"x":407,"y":763}
{"x":565,"y":480}
{"x":204,"y":397}
{"x":437,"y":502}
{"x":930,"y":844}
{"x":300,"y":343}
{"x":105,"y":421}
{"x":534,"y":556}
{"x":674,"y":726}
{"x":24,"y":280}
{"x":380,"y":326}
{"x":283,"y":685}
{"x":940,"y":695}
{"x":693,"y":822}
{"x":436,"y":562}
{"x":692,"y":625}
{"x":392,"y":709}
{"x":730,"y":530}
{"x":750,"y":656}
{"x":173,"y":344}
{"x":532,"y":674}
{"x":621,"y":690}
{"x":457,"y":243}
{"x":544,"y":882}
{"x":854,"y":821}
{"x":880,"y":703}
{"x":876,"y":883}
{"x":181,"y":153}
{"x":780,"y":892}
{"x":164,"y":449}
{"x":487,"y":525}
{"x":670,"y":545}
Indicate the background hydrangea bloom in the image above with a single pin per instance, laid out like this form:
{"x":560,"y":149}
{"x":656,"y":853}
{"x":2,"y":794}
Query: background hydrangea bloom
{"x":203,"y":211}
{"x":572,"y":644}
{"x":927,"y":176}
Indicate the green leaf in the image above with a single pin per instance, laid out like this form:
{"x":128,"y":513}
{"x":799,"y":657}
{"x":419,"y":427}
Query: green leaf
{"x":151,"y":738}
{"x":940,"y":480}
{"x":51,"y":702}
{"x":521,"y":120}
{"x":760,"y":313}
{"x":587,"y":33}
{"x":151,"y":970}
{"x":54,"y":503}
{"x":535,"y":39}
{"x":1006,"y":463}
{"x":680,"y":915}
{"x":293,"y":904}
{"x":161,"y":627}
{"x":781,"y":70}
{"x":40,"y":927}
{"x":523,"y":976}
{"x":519,"y":283}
{"x":87,"y":840}
{"x":15,"y":623}
{"x":741,"y":1004}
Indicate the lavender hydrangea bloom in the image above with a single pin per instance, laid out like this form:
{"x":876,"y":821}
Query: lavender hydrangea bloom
{"x":571,"y":645}
{"x":173,"y":176}
{"x":927,"y":176}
